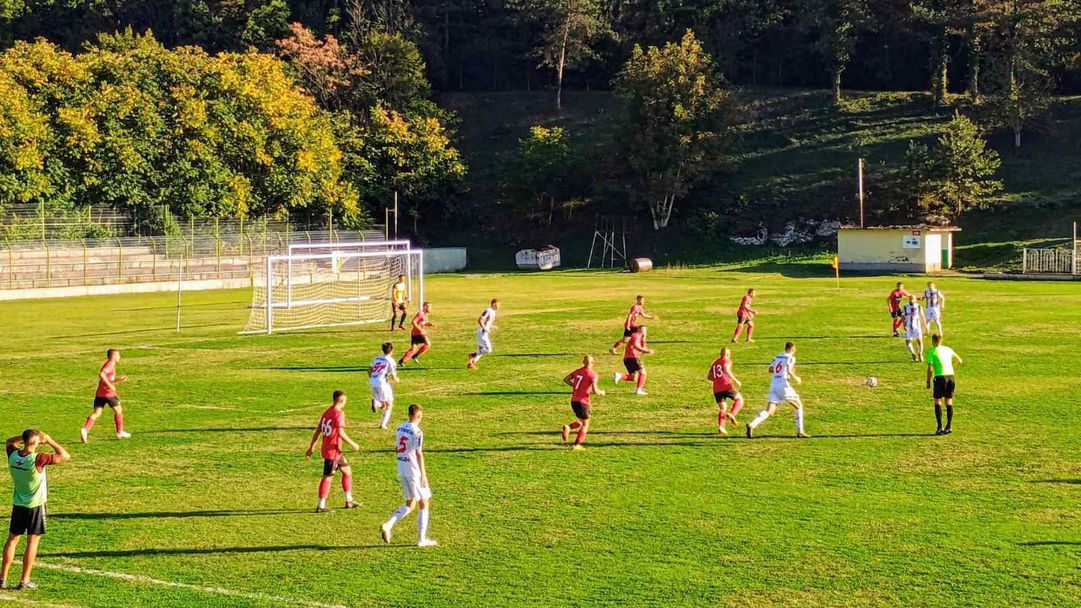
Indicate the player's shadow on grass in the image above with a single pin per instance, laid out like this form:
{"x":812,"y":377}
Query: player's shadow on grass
{"x":674,"y":434}
{"x":512,"y":393}
{"x":217,"y":550}
{"x":227,"y":429}
{"x":879,"y":362}
{"x":1072,"y":482}
{"x":843,"y":337}
{"x":558,"y":446}
{"x":535,"y":354}
{"x":177,"y":514}
{"x":321,"y":368}
{"x":1052,"y":543}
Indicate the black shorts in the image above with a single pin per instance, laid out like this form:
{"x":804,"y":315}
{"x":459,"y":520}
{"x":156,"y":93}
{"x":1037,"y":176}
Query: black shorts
{"x":629,"y":332}
{"x":747,"y":318}
{"x":944,"y":387}
{"x":331,"y":466}
{"x":101,"y":402}
{"x":897,"y":314}
{"x":582,"y":411}
{"x":633,"y":365}
{"x":722,"y":395}
{"x":394,"y":306}
{"x":417,"y":340}
{"x":26,"y":520}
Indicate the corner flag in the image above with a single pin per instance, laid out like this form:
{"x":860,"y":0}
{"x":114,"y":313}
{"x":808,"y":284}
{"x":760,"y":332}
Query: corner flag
{"x":836,"y":264}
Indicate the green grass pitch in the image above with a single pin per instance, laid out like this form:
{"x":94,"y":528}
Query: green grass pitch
{"x":209,"y":504}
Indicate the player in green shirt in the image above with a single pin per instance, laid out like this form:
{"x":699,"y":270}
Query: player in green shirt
{"x":940,"y":360}
{"x":27,"y":467}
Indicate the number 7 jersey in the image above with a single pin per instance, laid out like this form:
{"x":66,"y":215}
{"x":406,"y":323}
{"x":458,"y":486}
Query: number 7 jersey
{"x":408,"y":440}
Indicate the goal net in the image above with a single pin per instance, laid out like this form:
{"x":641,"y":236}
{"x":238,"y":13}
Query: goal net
{"x":330,"y":286}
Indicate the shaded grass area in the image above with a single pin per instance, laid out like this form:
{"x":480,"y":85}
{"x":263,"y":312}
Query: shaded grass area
{"x":213,"y":489}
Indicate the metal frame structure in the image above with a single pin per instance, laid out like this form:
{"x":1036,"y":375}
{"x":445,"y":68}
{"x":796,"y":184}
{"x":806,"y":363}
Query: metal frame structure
{"x":1053,"y":260}
{"x":335,"y":258}
{"x":612,"y":233}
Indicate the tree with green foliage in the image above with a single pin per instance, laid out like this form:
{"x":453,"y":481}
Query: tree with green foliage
{"x":1030,"y":39}
{"x":569,"y":29}
{"x":539,"y":175}
{"x":955,"y":175}
{"x":138,"y":126}
{"x":674,"y":118}
{"x":835,"y":25}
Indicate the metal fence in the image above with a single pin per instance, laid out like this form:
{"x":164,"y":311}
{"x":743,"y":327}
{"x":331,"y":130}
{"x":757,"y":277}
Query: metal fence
{"x":224,"y":252}
{"x":1049,"y":261}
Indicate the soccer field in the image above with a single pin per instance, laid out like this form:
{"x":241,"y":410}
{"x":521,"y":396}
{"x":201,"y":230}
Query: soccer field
{"x":210,"y":503}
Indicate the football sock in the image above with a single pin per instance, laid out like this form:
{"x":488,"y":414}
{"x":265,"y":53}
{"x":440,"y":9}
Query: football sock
{"x":799,"y":419}
{"x":420,"y":351}
{"x":910,"y":347}
{"x":581,"y":435}
{"x":759,"y":418}
{"x":750,"y":331}
{"x":324,"y":489}
{"x":422,"y":524}
{"x":938,"y":416}
{"x":720,"y":416}
{"x":737,"y":405}
{"x":386,"y":414}
{"x":735,"y":336}
{"x":641,"y":379}
{"x":89,"y":423}
{"x":347,"y":486}
{"x":118,"y":419}
{"x":627,"y":377}
{"x":408,"y":354}
{"x":398,"y":515}
{"x":949,"y":416}
{"x":575,"y":424}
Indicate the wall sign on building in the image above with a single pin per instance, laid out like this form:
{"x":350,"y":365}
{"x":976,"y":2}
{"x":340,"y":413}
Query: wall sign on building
{"x":911,"y":242}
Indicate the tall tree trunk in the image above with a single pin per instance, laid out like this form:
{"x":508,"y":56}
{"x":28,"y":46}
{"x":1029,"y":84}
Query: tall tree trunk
{"x":974,"y":58}
{"x":940,"y":77}
{"x":562,"y":63}
{"x":837,"y":84}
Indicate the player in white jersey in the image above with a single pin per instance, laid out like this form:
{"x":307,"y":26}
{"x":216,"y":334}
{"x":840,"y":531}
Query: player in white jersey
{"x":485,"y":326}
{"x":414,"y":478}
{"x":783,"y":370}
{"x":380,"y":373}
{"x":935,"y":302}
{"x":912,"y":315}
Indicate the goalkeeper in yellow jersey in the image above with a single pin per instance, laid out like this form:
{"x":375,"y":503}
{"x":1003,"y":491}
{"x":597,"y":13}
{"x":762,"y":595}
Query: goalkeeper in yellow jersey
{"x":398,"y":299}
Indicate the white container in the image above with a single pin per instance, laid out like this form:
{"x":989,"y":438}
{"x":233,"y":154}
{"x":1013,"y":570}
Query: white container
{"x":543,"y":258}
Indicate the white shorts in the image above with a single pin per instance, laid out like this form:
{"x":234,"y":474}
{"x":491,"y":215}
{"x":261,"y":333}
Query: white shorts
{"x":484,"y":342}
{"x":783,"y":394}
{"x":932,"y":314}
{"x":913,"y":333}
{"x":383,"y":393}
{"x":412,"y":490}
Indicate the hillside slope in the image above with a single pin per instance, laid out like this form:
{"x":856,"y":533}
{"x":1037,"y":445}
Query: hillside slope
{"x":797,"y":156}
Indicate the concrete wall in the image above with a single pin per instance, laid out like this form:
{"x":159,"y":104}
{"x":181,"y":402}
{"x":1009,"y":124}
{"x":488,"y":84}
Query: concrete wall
{"x":884,"y":250}
{"x":101,"y":290}
{"x":444,"y":259}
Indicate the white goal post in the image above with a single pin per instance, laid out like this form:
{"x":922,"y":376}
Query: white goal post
{"x":333,"y":287}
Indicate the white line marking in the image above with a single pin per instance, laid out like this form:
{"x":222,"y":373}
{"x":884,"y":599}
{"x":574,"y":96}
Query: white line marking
{"x":138,"y":578}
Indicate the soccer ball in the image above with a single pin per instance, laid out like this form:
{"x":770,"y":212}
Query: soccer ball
{"x":871,"y":382}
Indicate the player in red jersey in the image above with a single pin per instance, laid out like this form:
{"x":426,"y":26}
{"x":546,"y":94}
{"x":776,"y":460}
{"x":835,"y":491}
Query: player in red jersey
{"x":107,"y":395}
{"x":633,"y":362}
{"x":418,"y":341}
{"x":332,"y":429}
{"x":631,"y":322}
{"x":583,"y":381}
{"x":893,"y":304}
{"x":745,"y":316}
{"x":725,"y":387}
